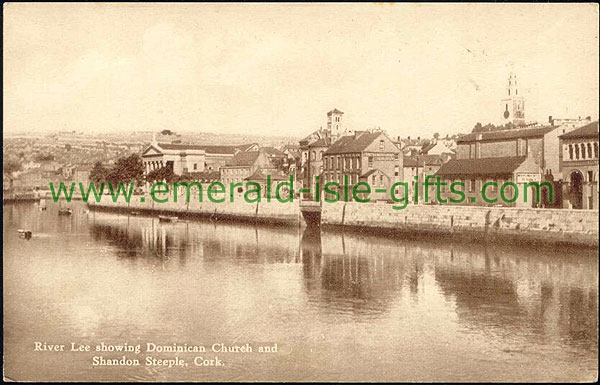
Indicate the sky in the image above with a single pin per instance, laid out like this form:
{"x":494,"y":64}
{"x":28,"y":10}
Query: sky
{"x":264,"y":69}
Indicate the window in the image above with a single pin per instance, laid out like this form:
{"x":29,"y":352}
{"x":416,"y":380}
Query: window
{"x":396,"y":156}
{"x":590,"y":176}
{"x":370,"y":162}
{"x":320,"y":155}
{"x":589,"y":150}
{"x":381,"y":144}
{"x":396,"y":170}
{"x":195,"y":166}
{"x":576,"y":152}
{"x":596,"y":150}
{"x":582,"y":150}
{"x":374,"y":180}
{"x":381,"y":180}
{"x":570,"y":151}
{"x":339,"y":162}
{"x":473,"y":185}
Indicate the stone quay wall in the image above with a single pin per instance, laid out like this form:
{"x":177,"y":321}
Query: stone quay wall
{"x":550,"y":227}
{"x":526,"y":226}
{"x":273,"y":212}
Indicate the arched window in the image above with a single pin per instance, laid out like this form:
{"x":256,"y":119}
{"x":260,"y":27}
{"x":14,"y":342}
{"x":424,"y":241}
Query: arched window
{"x":582,"y":150}
{"x":596,"y":150}
{"x":570,"y":151}
{"x":589,"y":151}
{"x":576,"y":152}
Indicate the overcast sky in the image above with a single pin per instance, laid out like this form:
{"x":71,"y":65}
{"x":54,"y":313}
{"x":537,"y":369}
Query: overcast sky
{"x":277,"y":69}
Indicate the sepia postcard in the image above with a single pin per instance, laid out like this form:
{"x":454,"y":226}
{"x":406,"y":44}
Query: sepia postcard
{"x":300,"y":192}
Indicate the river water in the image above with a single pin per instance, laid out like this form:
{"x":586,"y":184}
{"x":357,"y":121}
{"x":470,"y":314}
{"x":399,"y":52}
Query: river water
{"x":329,"y":305}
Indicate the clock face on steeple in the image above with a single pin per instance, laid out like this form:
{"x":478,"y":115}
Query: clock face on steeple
{"x":506,"y":114}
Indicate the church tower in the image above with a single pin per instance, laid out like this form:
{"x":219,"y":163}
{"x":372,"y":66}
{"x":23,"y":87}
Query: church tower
{"x":334,"y":123}
{"x":513,"y":104}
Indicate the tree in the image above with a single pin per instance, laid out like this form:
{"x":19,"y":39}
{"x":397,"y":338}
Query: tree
{"x":99,"y":173}
{"x":436,"y":135}
{"x":11,"y":165}
{"x":167,"y":132}
{"x":127,"y":169}
{"x":162,"y":174}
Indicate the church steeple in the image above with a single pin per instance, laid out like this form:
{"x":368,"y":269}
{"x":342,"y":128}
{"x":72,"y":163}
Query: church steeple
{"x":513,"y":103}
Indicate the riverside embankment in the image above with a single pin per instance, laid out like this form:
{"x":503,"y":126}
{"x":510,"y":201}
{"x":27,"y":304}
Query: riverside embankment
{"x":273,"y":212}
{"x":549,"y":227}
{"x":517,"y":226}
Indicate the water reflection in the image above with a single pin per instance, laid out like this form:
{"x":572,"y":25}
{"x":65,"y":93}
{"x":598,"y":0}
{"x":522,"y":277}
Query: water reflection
{"x":517,"y":293}
{"x":370,"y":308}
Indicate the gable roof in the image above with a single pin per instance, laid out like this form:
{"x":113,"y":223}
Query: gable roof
{"x":481,"y":166}
{"x":178,"y":146}
{"x":210,"y":149}
{"x":587,"y":131}
{"x":322,"y":142}
{"x":261,"y":174}
{"x":353,"y":143}
{"x":272,"y":151}
{"x":507,"y":134}
{"x":246,"y":147}
{"x":334,"y":111}
{"x":243,"y":158}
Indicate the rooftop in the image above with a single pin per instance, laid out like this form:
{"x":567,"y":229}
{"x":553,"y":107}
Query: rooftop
{"x":481,"y":166}
{"x":507,"y":134}
{"x":587,"y":131}
{"x":353,"y":143}
{"x":243,"y":159}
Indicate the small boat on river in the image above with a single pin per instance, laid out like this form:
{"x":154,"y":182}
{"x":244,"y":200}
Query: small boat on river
{"x":26,"y":234}
{"x":167,"y":219}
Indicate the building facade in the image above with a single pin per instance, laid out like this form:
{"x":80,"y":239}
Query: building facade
{"x":475,"y":173}
{"x":579,"y":167}
{"x":364,"y":156}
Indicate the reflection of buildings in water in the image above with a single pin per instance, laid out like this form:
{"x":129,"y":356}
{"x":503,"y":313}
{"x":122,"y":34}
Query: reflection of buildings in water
{"x":139,"y":236}
{"x":310,"y":254}
{"x":524,"y":292}
{"x":519,"y":293}
{"x":341,"y":269}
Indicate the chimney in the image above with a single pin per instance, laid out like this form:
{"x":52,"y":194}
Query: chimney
{"x":550,"y":120}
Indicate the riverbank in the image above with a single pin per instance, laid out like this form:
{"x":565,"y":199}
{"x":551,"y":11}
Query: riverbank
{"x":515,"y":226}
{"x":272,"y":213}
